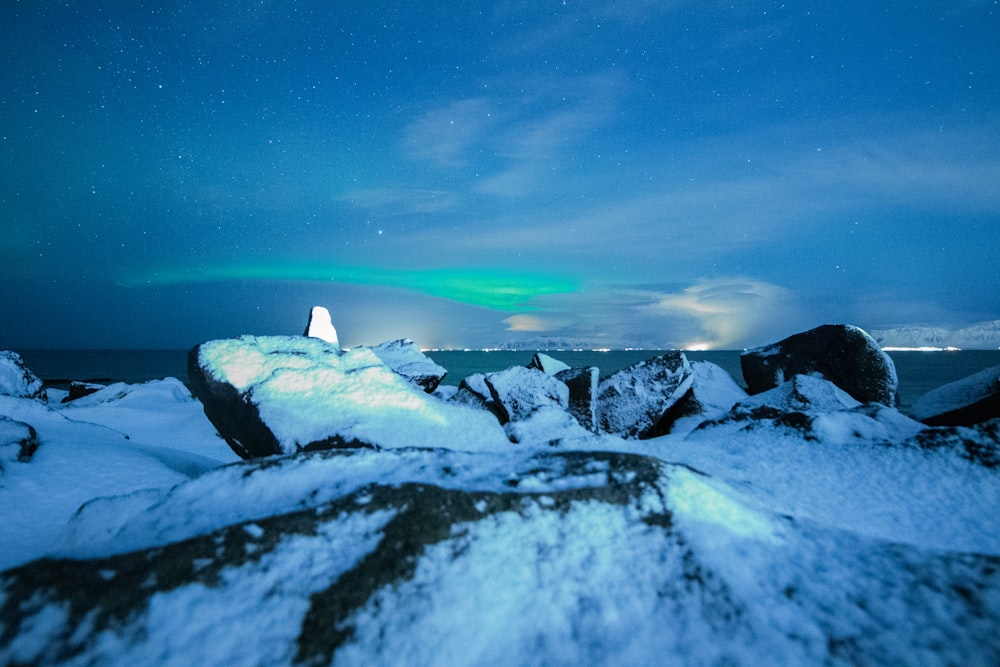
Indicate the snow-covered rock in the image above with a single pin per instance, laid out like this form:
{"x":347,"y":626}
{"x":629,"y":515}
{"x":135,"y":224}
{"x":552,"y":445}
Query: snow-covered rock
{"x":843,"y":354}
{"x":474,"y":392}
{"x":454,"y":558}
{"x":631,"y":402}
{"x":281,"y":394}
{"x":547,"y":364}
{"x":800,"y":527}
{"x":815,"y":409}
{"x":713,"y":393}
{"x":17,"y":380}
{"x":518,"y":391}
{"x":582,"y":384}
{"x":18,"y":442}
{"x":320,"y":325}
{"x":404,"y":357}
{"x":967,"y":401}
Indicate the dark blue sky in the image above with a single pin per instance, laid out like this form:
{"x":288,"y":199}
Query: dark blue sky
{"x":622,"y":173}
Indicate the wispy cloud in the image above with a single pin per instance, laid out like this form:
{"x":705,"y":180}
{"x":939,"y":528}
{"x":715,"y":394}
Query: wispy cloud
{"x":446,"y":134}
{"x":392,"y":201}
{"x":719,"y":313}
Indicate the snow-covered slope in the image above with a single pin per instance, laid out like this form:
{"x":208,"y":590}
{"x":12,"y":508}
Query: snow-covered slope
{"x":799,"y":527}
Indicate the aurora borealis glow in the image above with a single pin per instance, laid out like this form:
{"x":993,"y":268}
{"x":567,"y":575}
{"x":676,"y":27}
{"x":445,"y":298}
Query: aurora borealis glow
{"x":641,"y":174}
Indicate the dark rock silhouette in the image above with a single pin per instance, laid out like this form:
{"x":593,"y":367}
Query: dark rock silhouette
{"x":840,"y":353}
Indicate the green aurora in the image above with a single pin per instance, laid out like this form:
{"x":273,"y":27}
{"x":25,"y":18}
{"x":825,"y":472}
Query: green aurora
{"x":497,"y":289}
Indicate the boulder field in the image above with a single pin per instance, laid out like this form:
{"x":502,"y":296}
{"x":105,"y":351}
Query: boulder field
{"x":537,"y":515}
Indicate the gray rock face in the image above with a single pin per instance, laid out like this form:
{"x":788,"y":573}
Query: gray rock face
{"x":582,"y":384}
{"x":840,"y":353}
{"x":17,"y":380}
{"x":282,"y":394}
{"x":632,"y":401}
{"x":965,"y":402}
{"x":404,"y":357}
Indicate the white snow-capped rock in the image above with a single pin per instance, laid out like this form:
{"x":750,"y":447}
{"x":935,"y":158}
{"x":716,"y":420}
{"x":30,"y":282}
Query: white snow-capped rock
{"x":320,"y":325}
{"x":281,"y":394}
{"x":546,"y":364}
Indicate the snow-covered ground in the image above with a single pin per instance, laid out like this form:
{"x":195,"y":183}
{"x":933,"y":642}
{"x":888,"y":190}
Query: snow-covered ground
{"x":801,"y":527}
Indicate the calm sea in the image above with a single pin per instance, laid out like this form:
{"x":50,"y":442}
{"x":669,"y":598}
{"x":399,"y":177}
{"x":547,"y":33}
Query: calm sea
{"x":919,"y":372}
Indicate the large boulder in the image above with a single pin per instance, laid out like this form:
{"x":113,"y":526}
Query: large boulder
{"x":631,"y":402}
{"x":404,"y":357}
{"x":427,"y":557}
{"x":282,"y":394}
{"x":17,"y":380}
{"x":968,"y":401}
{"x":840,"y":353}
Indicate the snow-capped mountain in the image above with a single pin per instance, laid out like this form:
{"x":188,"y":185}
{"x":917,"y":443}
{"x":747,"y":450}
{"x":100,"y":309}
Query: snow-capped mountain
{"x":981,"y":336}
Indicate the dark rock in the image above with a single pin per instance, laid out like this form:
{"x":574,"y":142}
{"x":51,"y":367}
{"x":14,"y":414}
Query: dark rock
{"x":81,"y":389}
{"x":840,"y":353}
{"x":18,"y":442}
{"x":517,"y":392}
{"x":404,"y":357}
{"x":964,"y":402}
{"x":632,"y":401}
{"x":582,"y":385}
{"x":17,"y":380}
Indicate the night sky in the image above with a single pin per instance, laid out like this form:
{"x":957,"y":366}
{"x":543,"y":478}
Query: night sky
{"x":624,"y":173}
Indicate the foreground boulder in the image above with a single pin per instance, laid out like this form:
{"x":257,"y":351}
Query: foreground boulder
{"x":17,"y":380}
{"x":631,"y":402}
{"x":840,"y":353}
{"x":282,"y":394}
{"x":433,"y":558}
{"x":964,"y":402}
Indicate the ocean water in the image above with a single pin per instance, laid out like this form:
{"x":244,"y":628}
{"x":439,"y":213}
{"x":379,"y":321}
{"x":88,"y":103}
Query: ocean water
{"x":918,"y":372}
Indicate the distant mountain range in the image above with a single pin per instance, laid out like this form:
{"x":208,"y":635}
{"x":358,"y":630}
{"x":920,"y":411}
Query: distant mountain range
{"x":981,"y":336}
